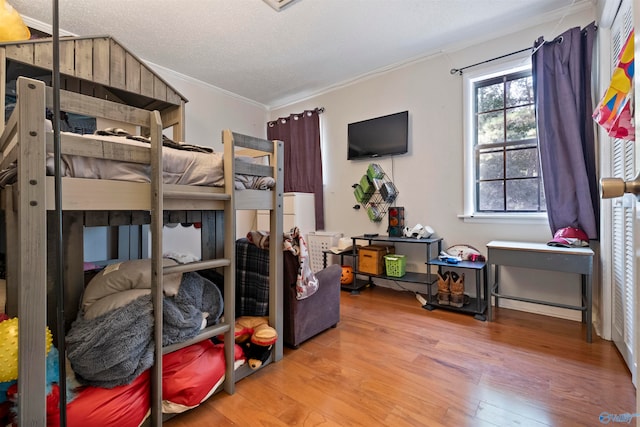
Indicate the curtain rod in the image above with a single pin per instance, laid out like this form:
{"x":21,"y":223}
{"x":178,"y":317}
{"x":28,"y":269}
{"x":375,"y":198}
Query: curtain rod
{"x":459,"y":70}
{"x":557,"y":39}
{"x":318,"y":110}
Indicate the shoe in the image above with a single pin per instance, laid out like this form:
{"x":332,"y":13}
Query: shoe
{"x":443,"y":288}
{"x":456,"y":286}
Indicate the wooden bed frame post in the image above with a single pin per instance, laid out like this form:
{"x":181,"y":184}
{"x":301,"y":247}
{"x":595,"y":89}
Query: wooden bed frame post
{"x":229,"y":250}
{"x":157,"y":273}
{"x":32,"y":235}
{"x":276,"y":274}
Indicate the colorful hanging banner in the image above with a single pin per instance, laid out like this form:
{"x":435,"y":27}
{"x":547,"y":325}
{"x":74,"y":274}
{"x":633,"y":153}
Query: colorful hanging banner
{"x":614,"y":111}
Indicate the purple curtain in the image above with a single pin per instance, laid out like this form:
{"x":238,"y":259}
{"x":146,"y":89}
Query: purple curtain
{"x":562,"y":87}
{"x":302,"y":156}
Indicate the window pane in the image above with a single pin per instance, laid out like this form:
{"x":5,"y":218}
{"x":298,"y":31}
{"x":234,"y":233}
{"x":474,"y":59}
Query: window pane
{"x":522,"y":163}
{"x":491,"y":165}
{"x":521,"y":123}
{"x":490,"y":127}
{"x":490,"y":97}
{"x":519,"y":91}
{"x":507,"y":171}
{"x":490,"y":196}
{"x":522,"y":195}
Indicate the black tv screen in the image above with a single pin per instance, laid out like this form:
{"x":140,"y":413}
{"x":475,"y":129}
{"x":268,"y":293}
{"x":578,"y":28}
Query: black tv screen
{"x":381,"y":136}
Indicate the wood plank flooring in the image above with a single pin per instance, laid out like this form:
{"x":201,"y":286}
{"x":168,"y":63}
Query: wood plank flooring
{"x":389,"y":362}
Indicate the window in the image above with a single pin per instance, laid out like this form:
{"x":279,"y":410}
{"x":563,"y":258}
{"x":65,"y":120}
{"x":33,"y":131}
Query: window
{"x":503,"y":166}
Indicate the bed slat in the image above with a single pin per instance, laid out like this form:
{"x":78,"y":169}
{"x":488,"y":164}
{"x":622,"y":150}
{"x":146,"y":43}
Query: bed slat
{"x":247,"y":168}
{"x":187,"y":193}
{"x":84,"y":59}
{"x":252,"y":142}
{"x":105,"y":195}
{"x":206,"y":333}
{"x":96,"y":218}
{"x":132,"y":70}
{"x":117,"y":66}
{"x":95,"y":107}
{"x":212,"y":223}
{"x":159,"y":88}
{"x":71,"y":144}
{"x":22,"y":52}
{"x":146,"y":82}
{"x":101,"y":61}
{"x":67,"y":57}
{"x":196,"y":266}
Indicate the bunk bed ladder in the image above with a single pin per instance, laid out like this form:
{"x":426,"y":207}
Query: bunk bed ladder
{"x":158,"y":270}
{"x":231,"y":141}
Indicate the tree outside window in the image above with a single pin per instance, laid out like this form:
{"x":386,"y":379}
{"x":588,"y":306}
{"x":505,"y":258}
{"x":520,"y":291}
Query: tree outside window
{"x":506,"y":161}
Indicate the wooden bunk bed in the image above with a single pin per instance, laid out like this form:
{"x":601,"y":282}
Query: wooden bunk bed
{"x":99,"y":70}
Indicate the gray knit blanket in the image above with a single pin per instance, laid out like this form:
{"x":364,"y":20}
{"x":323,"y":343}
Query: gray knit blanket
{"x":113,"y":349}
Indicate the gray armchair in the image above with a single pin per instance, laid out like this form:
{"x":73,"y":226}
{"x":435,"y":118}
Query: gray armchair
{"x":308,"y":317}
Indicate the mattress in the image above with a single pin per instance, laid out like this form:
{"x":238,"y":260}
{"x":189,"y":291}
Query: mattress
{"x":180,"y":166}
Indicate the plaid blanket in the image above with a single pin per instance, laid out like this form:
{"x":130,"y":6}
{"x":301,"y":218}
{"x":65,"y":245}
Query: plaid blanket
{"x":252,"y":279}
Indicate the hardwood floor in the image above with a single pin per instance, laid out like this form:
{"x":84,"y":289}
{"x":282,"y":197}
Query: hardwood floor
{"x":390,"y":362}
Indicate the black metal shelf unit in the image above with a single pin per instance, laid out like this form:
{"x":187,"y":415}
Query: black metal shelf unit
{"x":476,"y":306}
{"x":427,"y":278}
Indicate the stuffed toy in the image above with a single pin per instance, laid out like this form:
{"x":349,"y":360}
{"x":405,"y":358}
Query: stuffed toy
{"x":12,"y":27}
{"x":256,"y":338}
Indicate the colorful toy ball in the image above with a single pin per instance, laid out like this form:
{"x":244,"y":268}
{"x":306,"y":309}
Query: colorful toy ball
{"x":346,"y":278}
{"x":9,"y":349}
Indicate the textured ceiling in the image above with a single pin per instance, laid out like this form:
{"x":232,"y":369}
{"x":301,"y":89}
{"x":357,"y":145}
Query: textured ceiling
{"x":247,"y":48}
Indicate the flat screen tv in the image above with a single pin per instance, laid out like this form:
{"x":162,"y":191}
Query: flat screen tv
{"x":381,"y":136}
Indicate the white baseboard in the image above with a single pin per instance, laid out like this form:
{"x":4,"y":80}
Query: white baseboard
{"x":545,"y":310}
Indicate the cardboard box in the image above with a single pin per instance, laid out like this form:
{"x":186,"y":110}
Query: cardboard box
{"x":371,"y":258}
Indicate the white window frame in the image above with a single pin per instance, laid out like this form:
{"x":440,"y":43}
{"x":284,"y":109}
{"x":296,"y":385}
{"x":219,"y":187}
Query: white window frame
{"x":470,"y":214}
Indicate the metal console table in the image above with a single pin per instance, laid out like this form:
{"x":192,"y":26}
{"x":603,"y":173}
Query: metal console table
{"x":543,"y":257}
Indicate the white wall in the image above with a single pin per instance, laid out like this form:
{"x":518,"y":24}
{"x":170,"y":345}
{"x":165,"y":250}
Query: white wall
{"x":430,"y":177}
